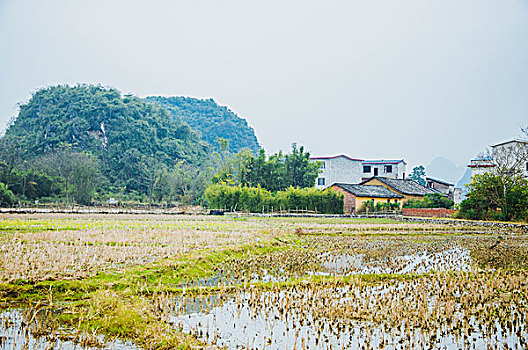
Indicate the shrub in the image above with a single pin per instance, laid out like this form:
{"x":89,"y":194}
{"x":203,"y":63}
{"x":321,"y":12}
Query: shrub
{"x":7,"y":198}
{"x":257,"y":199}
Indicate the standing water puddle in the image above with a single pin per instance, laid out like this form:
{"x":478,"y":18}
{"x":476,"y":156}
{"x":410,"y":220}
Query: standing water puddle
{"x":16,"y":333}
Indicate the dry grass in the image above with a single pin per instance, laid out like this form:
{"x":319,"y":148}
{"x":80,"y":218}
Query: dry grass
{"x":55,"y":247}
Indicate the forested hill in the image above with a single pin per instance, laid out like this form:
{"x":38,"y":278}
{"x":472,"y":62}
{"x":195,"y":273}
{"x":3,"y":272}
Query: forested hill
{"x":211,"y":121}
{"x":129,"y":136}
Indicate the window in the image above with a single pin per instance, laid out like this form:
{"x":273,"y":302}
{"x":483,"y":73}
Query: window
{"x":366,"y":168}
{"x":388,"y":168}
{"x":321,"y":181}
{"x":323,"y":165}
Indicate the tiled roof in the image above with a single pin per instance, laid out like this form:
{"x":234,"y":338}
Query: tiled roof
{"x":405,"y":186}
{"x":517,"y":139}
{"x":382,"y":161}
{"x":439,"y":181}
{"x":368,"y":191}
{"x":340,"y":155}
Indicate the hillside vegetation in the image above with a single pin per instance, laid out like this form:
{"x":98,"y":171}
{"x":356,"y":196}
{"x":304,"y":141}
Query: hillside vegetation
{"x":122,"y":142}
{"x":211,"y":120}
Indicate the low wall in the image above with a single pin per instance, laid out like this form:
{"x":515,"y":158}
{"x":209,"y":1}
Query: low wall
{"x":429,"y":212}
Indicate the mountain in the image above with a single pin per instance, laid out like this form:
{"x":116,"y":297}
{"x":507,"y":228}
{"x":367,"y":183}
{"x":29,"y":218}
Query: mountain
{"x":211,"y":120}
{"x":443,"y":169}
{"x":129,"y":137}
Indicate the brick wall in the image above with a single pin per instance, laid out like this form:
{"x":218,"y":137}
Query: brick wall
{"x":429,"y":212}
{"x":349,"y":201}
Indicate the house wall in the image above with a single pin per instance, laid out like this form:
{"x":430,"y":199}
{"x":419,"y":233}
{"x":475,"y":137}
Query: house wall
{"x":361,"y":200}
{"x":349,"y":204}
{"x":402,"y":200}
{"x":339,"y":169}
{"x":429,"y":212}
{"x":398,"y":170}
{"x":513,"y":155}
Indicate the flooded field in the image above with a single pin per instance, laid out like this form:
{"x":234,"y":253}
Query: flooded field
{"x":253,"y":283}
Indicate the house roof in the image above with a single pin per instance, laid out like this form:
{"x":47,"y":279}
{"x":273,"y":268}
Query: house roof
{"x":520,"y":140}
{"x":383,"y":161}
{"x":439,"y":181}
{"x":405,"y":186}
{"x":368,"y":191}
{"x":340,"y":155}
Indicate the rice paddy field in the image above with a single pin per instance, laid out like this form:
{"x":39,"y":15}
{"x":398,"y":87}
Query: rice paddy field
{"x":219,"y":282}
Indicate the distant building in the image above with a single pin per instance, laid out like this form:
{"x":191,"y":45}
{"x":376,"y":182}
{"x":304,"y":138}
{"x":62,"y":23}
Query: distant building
{"x":408,"y":188}
{"x":357,"y":195}
{"x":441,"y":186}
{"x":344,"y":169}
{"x":509,"y":156}
{"x":460,"y":192}
{"x":341,"y":168}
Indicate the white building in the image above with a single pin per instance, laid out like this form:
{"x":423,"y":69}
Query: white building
{"x":344,"y":169}
{"x":341,"y":168}
{"x":506,"y":157}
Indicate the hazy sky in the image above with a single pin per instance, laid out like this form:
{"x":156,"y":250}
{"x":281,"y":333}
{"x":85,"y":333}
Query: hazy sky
{"x":371,"y":79}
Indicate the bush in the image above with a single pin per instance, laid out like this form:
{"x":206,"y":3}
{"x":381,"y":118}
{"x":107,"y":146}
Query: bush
{"x":259,"y":200}
{"x":434,"y":200}
{"x":369,"y":207}
{"x":7,"y":198}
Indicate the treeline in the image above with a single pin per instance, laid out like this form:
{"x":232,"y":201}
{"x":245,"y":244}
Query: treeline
{"x":91,"y":145}
{"x":259,"y":200}
{"x":495,"y":196}
{"x":275,"y":173}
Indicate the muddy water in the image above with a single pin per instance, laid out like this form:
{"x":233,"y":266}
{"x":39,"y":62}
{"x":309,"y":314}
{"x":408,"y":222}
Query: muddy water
{"x":236,"y":323}
{"x":456,"y":259}
{"x":289,"y":319}
{"x":16,"y":333}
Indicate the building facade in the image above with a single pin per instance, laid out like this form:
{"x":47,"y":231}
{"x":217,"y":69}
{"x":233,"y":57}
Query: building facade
{"x":441,"y":186}
{"x":344,"y":169}
{"x":339,"y":168}
{"x":355,"y":196}
{"x":506,"y":157}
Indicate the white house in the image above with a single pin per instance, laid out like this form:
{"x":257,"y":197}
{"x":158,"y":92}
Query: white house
{"x":508,"y":156}
{"x":344,"y":169}
{"x":341,"y":168}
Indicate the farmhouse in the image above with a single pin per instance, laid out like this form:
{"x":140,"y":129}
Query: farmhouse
{"x":344,"y":169}
{"x":356,"y":195}
{"x":409,"y":189}
{"x":341,"y":168}
{"x":441,"y":186}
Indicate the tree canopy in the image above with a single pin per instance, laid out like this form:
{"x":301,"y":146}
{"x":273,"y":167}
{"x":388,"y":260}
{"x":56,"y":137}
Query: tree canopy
{"x":211,"y":121}
{"x":129,"y":138}
{"x":418,"y":175}
{"x":278,"y":172}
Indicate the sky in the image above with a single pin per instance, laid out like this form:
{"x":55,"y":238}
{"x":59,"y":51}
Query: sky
{"x":377,"y":79}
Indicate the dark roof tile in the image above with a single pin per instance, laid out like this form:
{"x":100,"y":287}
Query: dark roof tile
{"x":405,"y":186}
{"x":368,"y":191}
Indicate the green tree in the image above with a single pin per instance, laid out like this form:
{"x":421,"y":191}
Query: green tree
{"x":279,"y":172}
{"x":418,"y":175}
{"x":494,"y":196}
{"x":7,"y":198}
{"x":80,"y":173}
{"x":431,"y":200}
